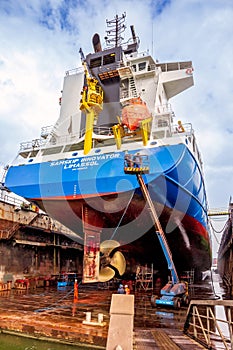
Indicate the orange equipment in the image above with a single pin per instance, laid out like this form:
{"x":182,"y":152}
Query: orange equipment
{"x":134,"y":112}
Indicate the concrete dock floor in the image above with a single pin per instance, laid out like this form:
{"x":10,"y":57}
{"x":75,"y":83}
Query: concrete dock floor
{"x":51,"y":312}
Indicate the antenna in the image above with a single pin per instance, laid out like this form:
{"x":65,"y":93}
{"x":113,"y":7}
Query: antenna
{"x":116,"y":28}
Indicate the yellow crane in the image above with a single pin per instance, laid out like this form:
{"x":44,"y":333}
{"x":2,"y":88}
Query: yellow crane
{"x":91,"y":104}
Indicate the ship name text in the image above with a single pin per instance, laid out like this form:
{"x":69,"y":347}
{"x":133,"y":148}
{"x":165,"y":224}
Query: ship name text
{"x":85,"y":161}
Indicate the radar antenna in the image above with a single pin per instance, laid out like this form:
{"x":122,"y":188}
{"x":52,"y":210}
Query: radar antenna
{"x":115,"y":27}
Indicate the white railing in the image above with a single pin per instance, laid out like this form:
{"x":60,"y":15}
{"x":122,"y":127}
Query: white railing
{"x":163,"y":109}
{"x":62,"y":140}
{"x":46,"y":130}
{"x":6,"y":198}
{"x":37,"y":143}
{"x":74,"y":71}
{"x":172,"y":66}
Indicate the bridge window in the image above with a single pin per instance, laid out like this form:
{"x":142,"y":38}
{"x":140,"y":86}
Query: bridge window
{"x":142,"y":66}
{"x":95,"y":62}
{"x":33,"y":153}
{"x":158,"y":134}
{"x":74,"y":147}
{"x":24,"y":154}
{"x":108,"y":59}
{"x":162,"y":123}
{"x":134,"y":68}
{"x":52,"y":150}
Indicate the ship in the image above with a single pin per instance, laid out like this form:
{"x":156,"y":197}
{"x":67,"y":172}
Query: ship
{"x":116,"y":120}
{"x":224,"y":259}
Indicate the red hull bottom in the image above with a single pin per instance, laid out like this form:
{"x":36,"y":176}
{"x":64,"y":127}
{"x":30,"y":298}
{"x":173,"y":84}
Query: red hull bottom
{"x":133,"y":228}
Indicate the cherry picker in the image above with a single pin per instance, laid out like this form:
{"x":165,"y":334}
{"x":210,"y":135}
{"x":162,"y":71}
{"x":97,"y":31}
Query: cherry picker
{"x":175,"y":292}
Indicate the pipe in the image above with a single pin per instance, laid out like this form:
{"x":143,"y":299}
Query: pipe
{"x":133,"y":34}
{"x":96,"y":43}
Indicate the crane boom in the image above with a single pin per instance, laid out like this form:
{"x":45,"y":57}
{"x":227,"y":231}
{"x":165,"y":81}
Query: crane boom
{"x":159,"y":230}
{"x":174,"y":292}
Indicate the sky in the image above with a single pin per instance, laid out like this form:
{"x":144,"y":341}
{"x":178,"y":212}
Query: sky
{"x":40,"y":40}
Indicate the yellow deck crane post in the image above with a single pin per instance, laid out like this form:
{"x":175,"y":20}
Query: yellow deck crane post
{"x":91,"y":104}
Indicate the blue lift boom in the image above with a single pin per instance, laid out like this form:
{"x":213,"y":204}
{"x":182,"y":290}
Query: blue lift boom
{"x":174,"y":293}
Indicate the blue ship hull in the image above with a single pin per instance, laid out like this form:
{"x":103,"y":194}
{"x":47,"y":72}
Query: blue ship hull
{"x":115,"y":203}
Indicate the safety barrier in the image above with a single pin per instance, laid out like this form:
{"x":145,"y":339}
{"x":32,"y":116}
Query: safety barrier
{"x":120,"y":332}
{"x":5,"y":286}
{"x":209,"y":322}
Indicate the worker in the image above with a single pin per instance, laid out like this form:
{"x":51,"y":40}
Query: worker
{"x":180,"y":127}
{"x":127,"y":290}
{"x":120,"y":289}
{"x":137,"y":159}
{"x":128,"y":160}
{"x":75,"y":290}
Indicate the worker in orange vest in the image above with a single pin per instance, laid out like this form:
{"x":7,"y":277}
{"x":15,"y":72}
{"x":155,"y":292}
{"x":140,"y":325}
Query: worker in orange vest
{"x":127,"y":290}
{"x":75,"y":291}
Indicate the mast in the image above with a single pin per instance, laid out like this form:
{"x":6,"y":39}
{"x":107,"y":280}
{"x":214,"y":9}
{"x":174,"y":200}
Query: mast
{"x":115,"y":27}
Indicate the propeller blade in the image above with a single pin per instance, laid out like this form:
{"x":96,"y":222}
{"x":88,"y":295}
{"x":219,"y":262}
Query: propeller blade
{"x":109,"y":262}
{"x":107,"y":246}
{"x":106,"y":274}
{"x":118,"y":261}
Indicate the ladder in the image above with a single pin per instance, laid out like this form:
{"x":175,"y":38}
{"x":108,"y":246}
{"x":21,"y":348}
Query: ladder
{"x":132,"y":86}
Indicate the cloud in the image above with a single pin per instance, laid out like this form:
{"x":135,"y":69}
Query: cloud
{"x":40,"y":40}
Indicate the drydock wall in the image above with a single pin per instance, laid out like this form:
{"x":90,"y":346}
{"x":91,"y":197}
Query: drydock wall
{"x":225,"y":254}
{"x":31,"y":243}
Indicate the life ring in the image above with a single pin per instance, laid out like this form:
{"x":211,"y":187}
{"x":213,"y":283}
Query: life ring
{"x":189,"y":71}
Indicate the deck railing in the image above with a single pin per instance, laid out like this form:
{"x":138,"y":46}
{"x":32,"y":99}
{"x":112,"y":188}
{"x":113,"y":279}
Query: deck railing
{"x":209,"y":322}
{"x":10,"y":199}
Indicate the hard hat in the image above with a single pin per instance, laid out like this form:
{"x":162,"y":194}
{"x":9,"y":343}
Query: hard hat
{"x":126,"y":286}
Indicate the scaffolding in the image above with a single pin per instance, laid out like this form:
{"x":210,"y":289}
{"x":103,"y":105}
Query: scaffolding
{"x":144,"y":278}
{"x":188,"y":276}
